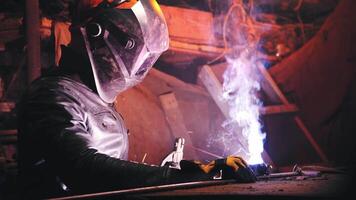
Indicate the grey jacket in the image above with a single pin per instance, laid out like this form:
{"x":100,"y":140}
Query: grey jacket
{"x":70,"y":141}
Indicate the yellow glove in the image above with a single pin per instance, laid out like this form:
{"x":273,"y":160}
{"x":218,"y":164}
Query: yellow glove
{"x":234,"y":162}
{"x":232,"y":167}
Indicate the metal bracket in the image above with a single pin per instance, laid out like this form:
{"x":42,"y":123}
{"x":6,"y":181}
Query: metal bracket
{"x":173,"y":159}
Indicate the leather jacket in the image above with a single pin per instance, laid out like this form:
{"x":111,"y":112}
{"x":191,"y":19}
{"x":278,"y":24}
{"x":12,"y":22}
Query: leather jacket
{"x":70,"y":141}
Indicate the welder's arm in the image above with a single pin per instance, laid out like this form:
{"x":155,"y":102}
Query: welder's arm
{"x":59,"y":125}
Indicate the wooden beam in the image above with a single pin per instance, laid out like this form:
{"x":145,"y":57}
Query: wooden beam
{"x":33,"y":40}
{"x":189,"y":24}
{"x":278,"y":109}
{"x":191,"y":32}
{"x":270,"y":87}
{"x":176,"y":83}
{"x":176,"y":123}
{"x":196,"y":49}
{"x":214,"y":87}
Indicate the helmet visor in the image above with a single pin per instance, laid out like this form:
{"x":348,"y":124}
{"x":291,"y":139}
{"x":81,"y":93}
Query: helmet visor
{"x":123,"y":44}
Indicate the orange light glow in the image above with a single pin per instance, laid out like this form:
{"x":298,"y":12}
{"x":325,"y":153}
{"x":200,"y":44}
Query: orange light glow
{"x":127,"y":5}
{"x":156,"y":8}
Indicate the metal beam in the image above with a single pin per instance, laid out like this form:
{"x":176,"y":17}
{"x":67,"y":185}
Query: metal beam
{"x":33,"y":40}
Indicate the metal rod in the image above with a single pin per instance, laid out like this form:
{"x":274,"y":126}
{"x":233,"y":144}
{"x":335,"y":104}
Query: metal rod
{"x":278,"y":175}
{"x":207,"y":152}
{"x":33,"y":40}
{"x":173,"y":186}
{"x":148,"y":189}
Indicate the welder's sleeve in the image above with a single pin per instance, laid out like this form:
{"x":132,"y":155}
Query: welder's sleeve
{"x":57,"y":124}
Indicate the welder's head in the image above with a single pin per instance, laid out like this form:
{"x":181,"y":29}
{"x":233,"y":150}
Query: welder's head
{"x":123,"y":40}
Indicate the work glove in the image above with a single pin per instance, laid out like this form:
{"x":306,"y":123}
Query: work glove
{"x":232,"y":167}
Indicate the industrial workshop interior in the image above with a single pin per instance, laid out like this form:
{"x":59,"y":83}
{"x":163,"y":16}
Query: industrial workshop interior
{"x":177,"y":99}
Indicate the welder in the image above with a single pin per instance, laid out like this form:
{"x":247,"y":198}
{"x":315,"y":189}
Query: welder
{"x":71,"y":139}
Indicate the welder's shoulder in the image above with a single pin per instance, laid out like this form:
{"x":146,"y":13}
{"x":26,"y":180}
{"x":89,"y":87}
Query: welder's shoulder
{"x":54,"y":89}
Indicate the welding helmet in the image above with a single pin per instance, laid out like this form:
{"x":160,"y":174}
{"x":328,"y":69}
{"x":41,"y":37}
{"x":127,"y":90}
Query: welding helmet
{"x":123,"y":41}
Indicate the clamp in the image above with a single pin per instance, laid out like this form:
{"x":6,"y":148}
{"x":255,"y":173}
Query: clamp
{"x":173,"y":159}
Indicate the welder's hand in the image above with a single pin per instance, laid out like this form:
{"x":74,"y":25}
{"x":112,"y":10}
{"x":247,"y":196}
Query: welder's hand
{"x":232,"y":167}
{"x":236,"y":167}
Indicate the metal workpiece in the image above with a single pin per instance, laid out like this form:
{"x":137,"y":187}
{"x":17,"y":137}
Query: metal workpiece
{"x":261,"y":169}
{"x":296,"y":171}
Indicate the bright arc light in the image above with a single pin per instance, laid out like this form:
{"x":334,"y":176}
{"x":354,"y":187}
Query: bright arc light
{"x":240,"y":88}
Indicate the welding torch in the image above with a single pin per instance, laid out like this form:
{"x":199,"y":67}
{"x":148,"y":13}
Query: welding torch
{"x":261,"y":171}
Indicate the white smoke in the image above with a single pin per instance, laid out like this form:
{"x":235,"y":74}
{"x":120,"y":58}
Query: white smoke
{"x":240,"y":89}
{"x":242,"y":133}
